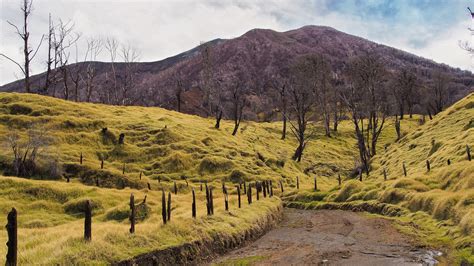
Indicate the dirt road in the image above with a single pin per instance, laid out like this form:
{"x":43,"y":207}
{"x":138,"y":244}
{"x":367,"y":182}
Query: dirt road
{"x":330,"y":237}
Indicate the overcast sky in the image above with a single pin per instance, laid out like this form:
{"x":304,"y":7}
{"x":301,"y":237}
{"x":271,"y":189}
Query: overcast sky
{"x":163,"y":28}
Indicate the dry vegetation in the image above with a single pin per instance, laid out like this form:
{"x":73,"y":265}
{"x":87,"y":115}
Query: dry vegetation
{"x":168,"y":146}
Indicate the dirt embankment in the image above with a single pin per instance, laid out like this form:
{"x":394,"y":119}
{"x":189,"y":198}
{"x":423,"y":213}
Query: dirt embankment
{"x":207,"y":249}
{"x":331,"y":237}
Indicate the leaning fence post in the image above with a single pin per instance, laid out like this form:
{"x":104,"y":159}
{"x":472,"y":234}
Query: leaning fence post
{"x":238,"y":195}
{"x":132,"y":214}
{"x":428,"y":166}
{"x":12,"y":243}
{"x":163,"y":206}
{"x":88,"y":221}
{"x":404,"y":169}
{"x":149,"y":186}
{"x":193,"y":206}
{"x":169,"y":206}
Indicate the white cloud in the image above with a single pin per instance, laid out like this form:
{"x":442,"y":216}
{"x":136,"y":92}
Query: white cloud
{"x":160,"y":29}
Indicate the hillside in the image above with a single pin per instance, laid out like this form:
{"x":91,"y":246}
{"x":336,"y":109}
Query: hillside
{"x":256,"y":56}
{"x":167,"y":146}
{"x":439,"y":202}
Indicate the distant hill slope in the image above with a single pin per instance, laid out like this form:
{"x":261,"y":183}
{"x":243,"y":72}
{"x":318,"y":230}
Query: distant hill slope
{"x":261,"y":54}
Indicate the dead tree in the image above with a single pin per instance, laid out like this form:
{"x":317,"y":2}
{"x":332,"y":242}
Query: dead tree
{"x":178,"y":93}
{"x":12,"y":244}
{"x":94,"y":48}
{"x":130,"y":56}
{"x":111,"y":45}
{"x":438,"y":96}
{"x":49,"y":74}
{"x":238,"y":102}
{"x":323,"y":89}
{"x":28,"y":53}
{"x":405,"y":90}
{"x":397,"y":128}
{"x":88,"y":221}
{"x":366,"y":100}
{"x":301,"y":91}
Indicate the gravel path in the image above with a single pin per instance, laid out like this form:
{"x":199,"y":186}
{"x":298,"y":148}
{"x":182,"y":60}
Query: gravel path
{"x":330,"y":237}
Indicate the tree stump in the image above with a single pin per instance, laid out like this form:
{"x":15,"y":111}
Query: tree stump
{"x":12,"y":244}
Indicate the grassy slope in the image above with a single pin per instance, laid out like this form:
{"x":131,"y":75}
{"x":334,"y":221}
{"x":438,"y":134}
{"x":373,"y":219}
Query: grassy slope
{"x":164,"y":145}
{"x":170,"y":146}
{"x":439,"y":202}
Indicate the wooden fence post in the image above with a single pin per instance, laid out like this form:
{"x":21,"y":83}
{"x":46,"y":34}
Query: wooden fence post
{"x":257,"y":188}
{"x":80,"y":159}
{"x":404,"y":169}
{"x":149,"y":186}
{"x":249,"y":193}
{"x":123,"y":169}
{"x":468,"y":151}
{"x":175,"y":188}
{"x":211,"y":200}
{"x":428,"y":166}
{"x":224,"y":189}
{"x":208,"y":201}
{"x":140,"y":175}
{"x":264,"y":187}
{"x":12,"y":244}
{"x":315,"y":184}
{"x":449,"y":162}
{"x":339,"y":179}
{"x":101,"y":163}
{"x":163,"y":206}
{"x":193,"y":206}
{"x":271,"y":189}
{"x":281,"y":186}
{"x":360,"y":174}
{"x":245,"y":188}
{"x":132,"y":214}
{"x":226,"y":199}
{"x":169,"y":206}
{"x":201,"y":186}
{"x":385,"y":174}
{"x":238,"y":195}
{"x":88,"y":221}
{"x":297,"y":183}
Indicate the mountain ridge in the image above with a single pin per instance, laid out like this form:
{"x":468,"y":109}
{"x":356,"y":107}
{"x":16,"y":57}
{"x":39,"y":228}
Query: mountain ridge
{"x":261,"y":54}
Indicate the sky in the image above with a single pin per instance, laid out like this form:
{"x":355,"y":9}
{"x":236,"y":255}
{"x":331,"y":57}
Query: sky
{"x":163,"y":28}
